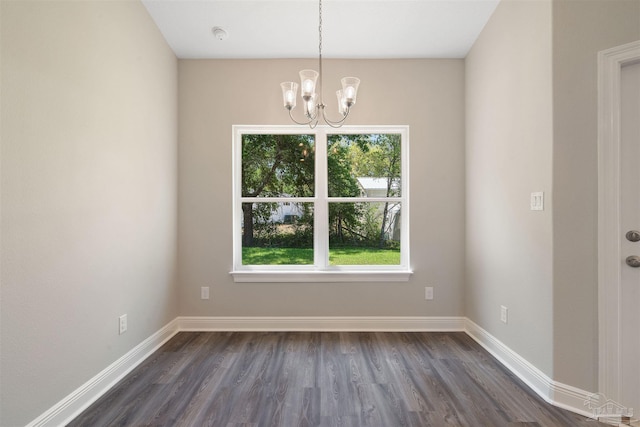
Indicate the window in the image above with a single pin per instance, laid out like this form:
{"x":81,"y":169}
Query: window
{"x":320,"y":205}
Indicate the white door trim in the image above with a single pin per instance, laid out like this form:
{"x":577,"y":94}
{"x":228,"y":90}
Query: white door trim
{"x":610,"y":63}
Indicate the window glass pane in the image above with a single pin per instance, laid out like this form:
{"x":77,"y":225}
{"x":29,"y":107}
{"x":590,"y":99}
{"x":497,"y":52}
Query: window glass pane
{"x":364,"y":165}
{"x":278,"y":165}
{"x":277,"y":233}
{"x":364,"y":233}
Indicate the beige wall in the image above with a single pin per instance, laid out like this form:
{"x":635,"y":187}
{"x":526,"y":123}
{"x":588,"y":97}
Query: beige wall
{"x":427,"y":95}
{"x":508,"y":156}
{"x":89,"y":128}
{"x":580,"y":30}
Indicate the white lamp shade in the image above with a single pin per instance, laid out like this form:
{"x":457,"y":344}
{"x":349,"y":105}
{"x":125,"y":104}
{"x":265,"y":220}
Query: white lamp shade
{"x":289,"y":94}
{"x":308,"y":80}
{"x":342,"y":105}
{"x":310,"y":107}
{"x":350,"y":89}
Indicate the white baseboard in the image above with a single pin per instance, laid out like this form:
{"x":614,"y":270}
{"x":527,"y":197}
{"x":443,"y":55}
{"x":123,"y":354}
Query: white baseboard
{"x":556,"y":393}
{"x":71,"y":406}
{"x":359,"y":324}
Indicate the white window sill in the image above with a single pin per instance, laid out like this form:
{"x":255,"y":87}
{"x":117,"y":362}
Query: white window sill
{"x":321,"y":276}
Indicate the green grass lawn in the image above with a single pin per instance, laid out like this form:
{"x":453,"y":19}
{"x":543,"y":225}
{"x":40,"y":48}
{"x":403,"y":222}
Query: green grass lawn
{"x":364,"y":256}
{"x":276,"y":256}
{"x":341,"y":256}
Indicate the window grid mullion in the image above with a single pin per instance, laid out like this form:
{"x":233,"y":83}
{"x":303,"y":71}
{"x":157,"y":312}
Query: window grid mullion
{"x":277,"y":199}
{"x":321,"y":207}
{"x":364,"y":199}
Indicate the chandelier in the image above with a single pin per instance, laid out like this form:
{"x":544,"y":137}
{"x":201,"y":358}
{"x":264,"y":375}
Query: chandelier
{"x":312,"y":94}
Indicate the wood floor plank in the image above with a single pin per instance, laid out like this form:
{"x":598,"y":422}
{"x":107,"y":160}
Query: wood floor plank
{"x":305,"y":379}
{"x":309,"y":414}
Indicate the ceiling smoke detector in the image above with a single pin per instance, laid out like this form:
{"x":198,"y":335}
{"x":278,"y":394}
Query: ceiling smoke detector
{"x":219,"y":33}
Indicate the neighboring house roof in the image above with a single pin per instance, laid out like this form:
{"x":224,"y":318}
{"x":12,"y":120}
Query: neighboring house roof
{"x":376,"y":183}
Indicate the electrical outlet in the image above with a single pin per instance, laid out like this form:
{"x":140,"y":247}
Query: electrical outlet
{"x":204,"y":292}
{"x":428,"y":293}
{"x":123,"y":324}
{"x":504,"y":314}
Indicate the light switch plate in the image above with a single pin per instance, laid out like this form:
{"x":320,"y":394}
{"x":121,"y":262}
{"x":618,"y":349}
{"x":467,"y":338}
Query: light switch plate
{"x":537,"y":201}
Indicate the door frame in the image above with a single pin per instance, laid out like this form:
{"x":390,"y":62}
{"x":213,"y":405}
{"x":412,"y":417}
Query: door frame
{"x":610,"y":63}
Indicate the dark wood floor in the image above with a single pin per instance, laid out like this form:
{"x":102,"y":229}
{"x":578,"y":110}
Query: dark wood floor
{"x":287,"y":379}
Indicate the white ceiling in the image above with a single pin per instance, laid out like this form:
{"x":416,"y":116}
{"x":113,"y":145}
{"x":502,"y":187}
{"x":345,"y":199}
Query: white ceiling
{"x":351,"y":28}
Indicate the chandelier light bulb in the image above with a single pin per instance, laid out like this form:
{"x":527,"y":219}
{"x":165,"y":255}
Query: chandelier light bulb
{"x":348,"y":94}
{"x":290,"y":96}
{"x":307,"y":87}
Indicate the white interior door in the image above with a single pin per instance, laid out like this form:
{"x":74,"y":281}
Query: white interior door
{"x":629,"y":318}
{"x":618,"y":214}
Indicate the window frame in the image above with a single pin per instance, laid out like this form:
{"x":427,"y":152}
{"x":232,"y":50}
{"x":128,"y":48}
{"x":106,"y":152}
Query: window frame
{"x":321,"y":270}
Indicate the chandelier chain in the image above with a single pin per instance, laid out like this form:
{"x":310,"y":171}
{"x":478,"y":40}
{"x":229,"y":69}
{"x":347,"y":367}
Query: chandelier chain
{"x":320,"y":102}
{"x":320,"y":26}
